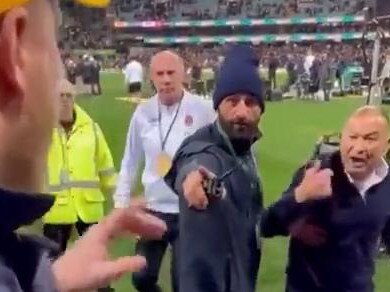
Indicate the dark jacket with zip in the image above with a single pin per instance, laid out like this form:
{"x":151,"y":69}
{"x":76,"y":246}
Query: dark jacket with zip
{"x":345,"y":262}
{"x":24,"y":263}
{"x":218,"y":247}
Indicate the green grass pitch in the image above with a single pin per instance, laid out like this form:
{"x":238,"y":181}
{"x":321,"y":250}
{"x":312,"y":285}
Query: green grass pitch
{"x":290,"y":130}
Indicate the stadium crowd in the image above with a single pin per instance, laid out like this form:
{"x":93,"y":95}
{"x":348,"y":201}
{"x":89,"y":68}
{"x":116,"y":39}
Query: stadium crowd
{"x":202,"y":9}
{"x":86,"y":29}
{"x":320,"y":64}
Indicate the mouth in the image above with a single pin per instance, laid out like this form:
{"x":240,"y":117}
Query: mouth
{"x":167,"y":90}
{"x":358,"y":162}
{"x":241,"y":126}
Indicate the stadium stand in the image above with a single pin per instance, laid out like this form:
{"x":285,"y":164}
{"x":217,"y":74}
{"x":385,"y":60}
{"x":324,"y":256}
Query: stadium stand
{"x":174,"y":10}
{"x":92,"y":29}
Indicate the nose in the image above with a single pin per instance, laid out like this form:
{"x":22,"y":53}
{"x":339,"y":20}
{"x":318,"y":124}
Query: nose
{"x":166,"y":79}
{"x":359,"y":145}
{"x":241,"y":109}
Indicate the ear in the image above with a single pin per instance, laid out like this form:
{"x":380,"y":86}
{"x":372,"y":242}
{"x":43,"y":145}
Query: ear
{"x":11,"y":62}
{"x":151,"y":76}
{"x":388,"y":148}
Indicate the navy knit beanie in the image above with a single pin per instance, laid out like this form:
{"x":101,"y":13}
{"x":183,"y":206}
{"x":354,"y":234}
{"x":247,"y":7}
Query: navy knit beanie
{"x":239,"y":74}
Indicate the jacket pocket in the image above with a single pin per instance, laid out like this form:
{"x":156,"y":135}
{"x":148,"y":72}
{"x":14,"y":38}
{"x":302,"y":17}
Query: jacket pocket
{"x":94,"y":197}
{"x":61,"y":201}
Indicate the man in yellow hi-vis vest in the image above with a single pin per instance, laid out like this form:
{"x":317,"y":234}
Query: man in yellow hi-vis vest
{"x":80,"y":171}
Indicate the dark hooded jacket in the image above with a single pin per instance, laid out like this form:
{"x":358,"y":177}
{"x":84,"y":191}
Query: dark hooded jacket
{"x":219,"y":247}
{"x":345,"y":262}
{"x":24,"y":263}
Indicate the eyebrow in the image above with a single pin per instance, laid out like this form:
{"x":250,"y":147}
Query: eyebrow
{"x":372,"y":133}
{"x":368,"y":134}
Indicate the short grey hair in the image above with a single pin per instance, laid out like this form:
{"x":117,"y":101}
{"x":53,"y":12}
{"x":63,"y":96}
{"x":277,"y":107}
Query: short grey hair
{"x":372,"y":110}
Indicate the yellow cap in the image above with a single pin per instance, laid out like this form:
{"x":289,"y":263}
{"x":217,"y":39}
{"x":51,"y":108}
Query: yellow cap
{"x":8,"y":4}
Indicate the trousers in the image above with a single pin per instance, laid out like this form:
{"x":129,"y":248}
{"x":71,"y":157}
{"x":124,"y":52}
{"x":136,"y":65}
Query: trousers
{"x":61,"y":234}
{"x":154,"y":251}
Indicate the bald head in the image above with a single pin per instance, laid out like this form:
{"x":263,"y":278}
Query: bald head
{"x":167,"y":56}
{"x":67,"y":96}
{"x":370,"y":111}
{"x":167,"y":74}
{"x":365,"y":141}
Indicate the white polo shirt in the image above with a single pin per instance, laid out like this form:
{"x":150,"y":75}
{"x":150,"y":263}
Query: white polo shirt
{"x":377,"y":176}
{"x":134,"y":72}
{"x":144,"y":144}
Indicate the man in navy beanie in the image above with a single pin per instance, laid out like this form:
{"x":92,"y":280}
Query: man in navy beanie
{"x":239,"y":73}
{"x":219,"y":249}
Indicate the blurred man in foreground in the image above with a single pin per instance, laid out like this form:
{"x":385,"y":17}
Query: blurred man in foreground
{"x":30,"y":69}
{"x":157,"y":129}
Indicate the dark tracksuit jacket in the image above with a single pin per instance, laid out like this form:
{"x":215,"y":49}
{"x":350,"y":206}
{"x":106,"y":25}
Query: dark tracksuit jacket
{"x":24,"y":262}
{"x":219,"y":251}
{"x":345,"y":263}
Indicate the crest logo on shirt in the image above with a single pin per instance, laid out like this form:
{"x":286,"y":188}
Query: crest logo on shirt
{"x":188,"y":120}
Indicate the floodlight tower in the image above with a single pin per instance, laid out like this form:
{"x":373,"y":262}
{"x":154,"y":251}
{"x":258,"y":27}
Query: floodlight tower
{"x":373,"y":19}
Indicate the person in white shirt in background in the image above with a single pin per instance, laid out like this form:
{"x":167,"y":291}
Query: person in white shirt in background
{"x":134,"y":76}
{"x":309,"y":59}
{"x":156,"y":131}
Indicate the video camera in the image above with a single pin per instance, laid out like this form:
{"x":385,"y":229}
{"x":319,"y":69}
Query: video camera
{"x":330,"y":143}
{"x":327,"y":144}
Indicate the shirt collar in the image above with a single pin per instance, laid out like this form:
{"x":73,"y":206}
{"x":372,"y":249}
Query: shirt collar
{"x":173,"y":106}
{"x":19,"y":209}
{"x":378,"y":175}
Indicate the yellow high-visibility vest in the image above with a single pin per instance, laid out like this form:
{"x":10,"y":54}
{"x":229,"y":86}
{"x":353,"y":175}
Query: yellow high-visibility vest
{"x":80,"y":171}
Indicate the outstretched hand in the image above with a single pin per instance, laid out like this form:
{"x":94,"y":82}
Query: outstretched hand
{"x":193,"y":188}
{"x":88,"y":266}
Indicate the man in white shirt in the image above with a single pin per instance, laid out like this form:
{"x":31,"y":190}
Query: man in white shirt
{"x":134,"y":75}
{"x":157,"y":129}
{"x":309,"y":59}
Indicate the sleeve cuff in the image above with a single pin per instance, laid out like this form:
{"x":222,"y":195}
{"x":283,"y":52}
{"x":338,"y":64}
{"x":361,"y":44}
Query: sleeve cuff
{"x":183,"y":172}
{"x":121,"y":205}
{"x":121,"y":201}
{"x":292,"y":207}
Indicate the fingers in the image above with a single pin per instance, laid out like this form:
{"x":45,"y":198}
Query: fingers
{"x":205,"y":173}
{"x":113,"y":270}
{"x":316,"y":166}
{"x":138,"y":203}
{"x":198,"y":199}
{"x":138,"y":222}
{"x":193,"y":190}
{"x":132,"y":220}
{"x":327,"y":172}
{"x":316,"y":169}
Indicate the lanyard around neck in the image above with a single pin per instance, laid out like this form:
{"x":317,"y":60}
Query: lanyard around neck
{"x":164,"y":139}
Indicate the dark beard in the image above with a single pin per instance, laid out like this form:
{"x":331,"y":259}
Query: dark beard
{"x":241,"y":146}
{"x":241,"y":140}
